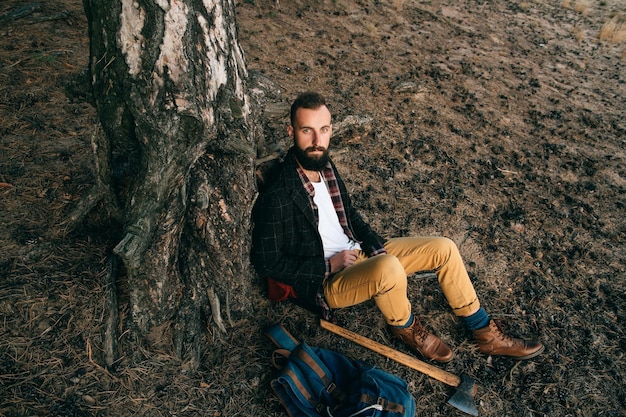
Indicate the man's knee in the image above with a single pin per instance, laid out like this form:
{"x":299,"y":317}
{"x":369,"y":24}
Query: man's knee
{"x":389,"y":271}
{"x":445,"y":246}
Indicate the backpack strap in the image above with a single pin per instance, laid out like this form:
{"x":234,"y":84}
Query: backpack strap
{"x":304,"y":354}
{"x":383,"y":404}
{"x":309,"y":361}
{"x":309,"y":380}
{"x":307,"y":374}
{"x":281,"y":337}
{"x":279,"y":358}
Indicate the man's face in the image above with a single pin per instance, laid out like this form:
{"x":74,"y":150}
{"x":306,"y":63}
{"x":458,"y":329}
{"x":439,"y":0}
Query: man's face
{"x":311,"y":136}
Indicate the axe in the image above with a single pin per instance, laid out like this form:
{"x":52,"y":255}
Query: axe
{"x":463,"y":398}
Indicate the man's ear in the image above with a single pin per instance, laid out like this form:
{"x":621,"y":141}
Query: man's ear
{"x":290,"y":131}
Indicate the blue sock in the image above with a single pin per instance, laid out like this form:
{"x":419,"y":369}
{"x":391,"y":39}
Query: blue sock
{"x":407,"y":324}
{"x":476,"y":321}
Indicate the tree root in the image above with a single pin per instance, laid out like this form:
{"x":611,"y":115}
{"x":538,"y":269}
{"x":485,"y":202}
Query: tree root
{"x":102,"y":191}
{"x":20,"y":12}
{"x":112,"y":315}
{"x":214,"y":301}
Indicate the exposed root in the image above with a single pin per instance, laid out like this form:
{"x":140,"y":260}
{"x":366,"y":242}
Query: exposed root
{"x":112,"y":315}
{"x":102,"y":190}
{"x":85,"y":206}
{"x":230,"y":320}
{"x":20,"y":12}
{"x":214,"y":301}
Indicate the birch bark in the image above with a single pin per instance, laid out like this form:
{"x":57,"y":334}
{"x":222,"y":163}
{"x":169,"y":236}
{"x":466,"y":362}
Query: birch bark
{"x":176,"y":154}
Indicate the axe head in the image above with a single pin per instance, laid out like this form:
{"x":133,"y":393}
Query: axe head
{"x":463,"y":398}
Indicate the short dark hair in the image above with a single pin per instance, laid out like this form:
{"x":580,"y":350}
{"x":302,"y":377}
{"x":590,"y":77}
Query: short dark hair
{"x":308,"y":100}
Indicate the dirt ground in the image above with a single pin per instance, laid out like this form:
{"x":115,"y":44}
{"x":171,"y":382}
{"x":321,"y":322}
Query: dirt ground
{"x":498,"y":124}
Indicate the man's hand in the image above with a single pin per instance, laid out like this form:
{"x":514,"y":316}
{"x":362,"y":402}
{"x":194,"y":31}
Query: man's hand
{"x":342,"y":260}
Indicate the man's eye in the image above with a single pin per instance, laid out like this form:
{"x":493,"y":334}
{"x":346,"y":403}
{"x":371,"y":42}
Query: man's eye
{"x":325,"y":130}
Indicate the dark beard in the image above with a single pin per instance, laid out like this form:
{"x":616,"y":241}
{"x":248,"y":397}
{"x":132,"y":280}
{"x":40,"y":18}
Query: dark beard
{"x":312,"y":163}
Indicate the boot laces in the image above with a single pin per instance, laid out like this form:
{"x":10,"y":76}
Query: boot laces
{"x":501,"y":327}
{"x":419,"y":330}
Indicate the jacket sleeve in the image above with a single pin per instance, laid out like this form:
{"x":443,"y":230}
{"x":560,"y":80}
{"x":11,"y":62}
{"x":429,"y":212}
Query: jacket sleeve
{"x":371,"y":243}
{"x":283,"y":248}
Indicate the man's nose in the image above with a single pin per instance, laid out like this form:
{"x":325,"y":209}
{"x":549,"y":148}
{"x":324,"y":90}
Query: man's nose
{"x":315,"y":138}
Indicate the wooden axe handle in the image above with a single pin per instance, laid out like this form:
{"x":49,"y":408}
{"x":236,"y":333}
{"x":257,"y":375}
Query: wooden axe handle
{"x":402,"y":358}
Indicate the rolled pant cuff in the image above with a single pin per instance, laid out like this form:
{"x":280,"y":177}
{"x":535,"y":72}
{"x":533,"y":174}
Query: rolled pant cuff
{"x":467,"y":310}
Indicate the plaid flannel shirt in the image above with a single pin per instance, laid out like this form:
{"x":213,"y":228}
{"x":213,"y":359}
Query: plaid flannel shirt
{"x":286,"y":245}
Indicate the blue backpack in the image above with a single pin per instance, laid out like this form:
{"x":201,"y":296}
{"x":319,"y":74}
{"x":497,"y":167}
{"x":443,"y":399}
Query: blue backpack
{"x":316,"y":382}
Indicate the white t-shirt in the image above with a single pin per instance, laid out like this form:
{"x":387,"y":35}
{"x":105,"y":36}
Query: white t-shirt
{"x":334,"y":238}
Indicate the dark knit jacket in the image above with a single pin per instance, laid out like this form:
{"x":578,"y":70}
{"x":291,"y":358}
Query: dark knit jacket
{"x":286,"y":244}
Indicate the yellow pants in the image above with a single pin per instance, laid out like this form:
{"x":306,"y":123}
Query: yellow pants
{"x":384,"y":278}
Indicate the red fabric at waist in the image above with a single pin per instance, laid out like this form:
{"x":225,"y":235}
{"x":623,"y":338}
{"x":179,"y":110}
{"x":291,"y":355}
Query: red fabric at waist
{"x":278,"y":291}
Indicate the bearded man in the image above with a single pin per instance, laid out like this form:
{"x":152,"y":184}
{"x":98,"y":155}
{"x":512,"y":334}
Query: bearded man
{"x":314,"y":247}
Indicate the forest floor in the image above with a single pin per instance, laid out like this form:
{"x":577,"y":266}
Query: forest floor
{"x":498,"y":124}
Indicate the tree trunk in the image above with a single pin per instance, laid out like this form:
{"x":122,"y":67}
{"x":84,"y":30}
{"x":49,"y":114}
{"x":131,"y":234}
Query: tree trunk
{"x":176,"y":158}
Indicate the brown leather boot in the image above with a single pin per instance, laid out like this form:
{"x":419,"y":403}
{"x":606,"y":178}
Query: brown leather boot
{"x":420,"y":340}
{"x":492,"y":340}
